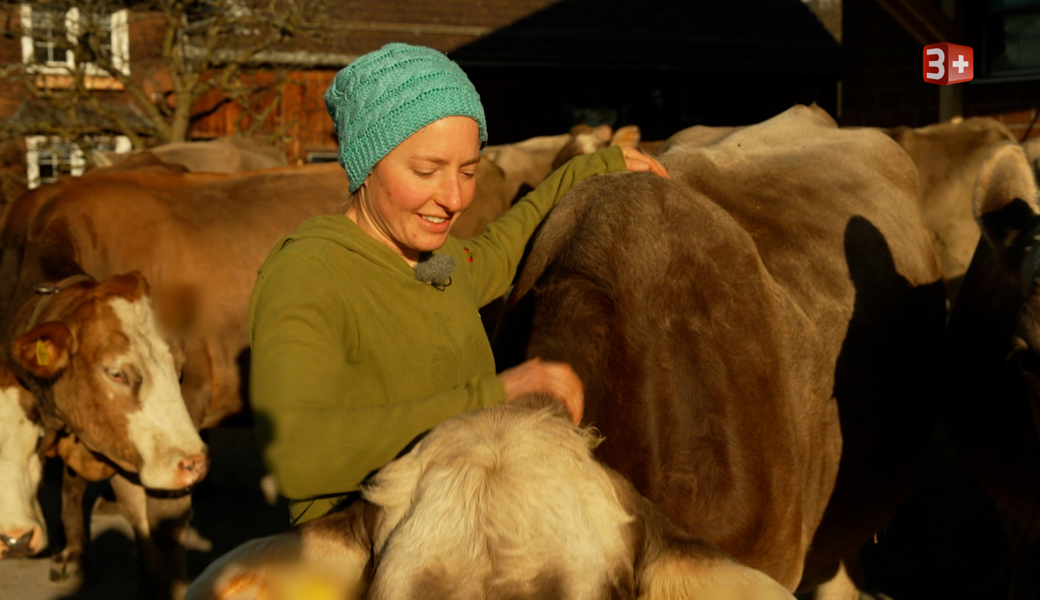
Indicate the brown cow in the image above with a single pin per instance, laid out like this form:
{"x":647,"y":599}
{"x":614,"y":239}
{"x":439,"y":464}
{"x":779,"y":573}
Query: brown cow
{"x":105,"y":385}
{"x":993,"y":410}
{"x":948,"y":156}
{"x":95,"y":358}
{"x":233,"y":154}
{"x":723,"y":319}
{"x":195,"y":236}
{"x":506,"y":502}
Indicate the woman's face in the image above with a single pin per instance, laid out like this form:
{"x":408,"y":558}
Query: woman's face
{"x":418,"y":190}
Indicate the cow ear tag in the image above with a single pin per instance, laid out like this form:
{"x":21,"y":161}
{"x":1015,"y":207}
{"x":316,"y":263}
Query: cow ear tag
{"x":43,"y":358}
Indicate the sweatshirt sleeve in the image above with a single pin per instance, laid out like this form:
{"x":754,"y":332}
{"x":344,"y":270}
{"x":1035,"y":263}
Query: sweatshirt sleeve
{"x":316,"y":439}
{"x":495,"y":254}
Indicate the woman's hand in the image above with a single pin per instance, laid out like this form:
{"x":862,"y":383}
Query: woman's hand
{"x":638,"y":161}
{"x":555,"y":378}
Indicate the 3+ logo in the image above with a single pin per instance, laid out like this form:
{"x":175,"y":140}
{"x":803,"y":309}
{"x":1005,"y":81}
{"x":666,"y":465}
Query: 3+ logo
{"x":946,"y":64}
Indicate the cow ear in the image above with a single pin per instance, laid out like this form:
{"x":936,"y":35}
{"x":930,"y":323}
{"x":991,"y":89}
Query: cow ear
{"x":629,"y":135}
{"x":44,"y":350}
{"x":330,"y":557}
{"x":1005,"y":204}
{"x":669,"y":564}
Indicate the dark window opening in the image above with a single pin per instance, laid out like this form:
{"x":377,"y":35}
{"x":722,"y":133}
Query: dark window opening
{"x":1011,"y":40}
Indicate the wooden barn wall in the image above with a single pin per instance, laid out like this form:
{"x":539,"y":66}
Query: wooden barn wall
{"x":298,"y":123}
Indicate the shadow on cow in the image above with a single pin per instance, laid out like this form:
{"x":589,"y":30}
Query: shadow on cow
{"x":884,"y":434}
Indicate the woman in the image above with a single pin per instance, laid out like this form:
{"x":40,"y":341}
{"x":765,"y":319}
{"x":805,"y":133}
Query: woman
{"x":364,"y":326}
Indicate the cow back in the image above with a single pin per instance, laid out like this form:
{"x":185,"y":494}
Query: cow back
{"x":722,"y":319}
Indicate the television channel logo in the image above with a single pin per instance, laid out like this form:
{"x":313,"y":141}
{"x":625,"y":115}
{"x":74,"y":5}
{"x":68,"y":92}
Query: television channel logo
{"x":947,"y":64}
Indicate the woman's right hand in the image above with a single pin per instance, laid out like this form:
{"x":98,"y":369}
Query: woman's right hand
{"x":556,"y":378}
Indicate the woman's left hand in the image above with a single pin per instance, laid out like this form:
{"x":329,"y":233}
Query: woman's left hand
{"x":638,"y":161}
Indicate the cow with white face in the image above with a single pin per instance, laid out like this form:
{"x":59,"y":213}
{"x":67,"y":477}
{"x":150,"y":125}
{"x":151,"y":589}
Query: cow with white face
{"x":22,"y":528}
{"x":102,"y":368}
{"x":106,"y":383}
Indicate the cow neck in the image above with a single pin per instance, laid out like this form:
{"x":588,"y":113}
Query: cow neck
{"x":48,"y":291}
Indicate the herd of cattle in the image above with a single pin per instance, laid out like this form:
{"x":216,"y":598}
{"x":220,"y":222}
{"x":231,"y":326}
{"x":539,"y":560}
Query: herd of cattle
{"x":767,"y":340}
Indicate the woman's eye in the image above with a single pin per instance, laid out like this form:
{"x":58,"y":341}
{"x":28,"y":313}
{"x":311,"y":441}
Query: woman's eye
{"x":116,"y":375}
{"x":422,"y":173}
{"x":466,"y":175}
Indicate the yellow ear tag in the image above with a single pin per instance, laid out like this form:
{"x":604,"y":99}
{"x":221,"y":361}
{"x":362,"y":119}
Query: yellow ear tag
{"x":43,"y":358}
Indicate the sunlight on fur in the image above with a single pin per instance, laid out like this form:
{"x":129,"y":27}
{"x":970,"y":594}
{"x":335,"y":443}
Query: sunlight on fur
{"x":544,"y":505}
{"x":506,"y":502}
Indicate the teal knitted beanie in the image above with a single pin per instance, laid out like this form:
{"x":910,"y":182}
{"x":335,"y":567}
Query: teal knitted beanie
{"x":383,"y":97}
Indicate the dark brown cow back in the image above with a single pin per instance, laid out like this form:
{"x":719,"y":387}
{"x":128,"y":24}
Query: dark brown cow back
{"x":722,"y":320}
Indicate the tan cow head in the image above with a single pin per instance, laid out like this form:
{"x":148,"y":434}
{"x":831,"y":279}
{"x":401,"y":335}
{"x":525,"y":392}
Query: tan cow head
{"x":23,"y":531}
{"x":507,"y":502}
{"x":105,"y":371}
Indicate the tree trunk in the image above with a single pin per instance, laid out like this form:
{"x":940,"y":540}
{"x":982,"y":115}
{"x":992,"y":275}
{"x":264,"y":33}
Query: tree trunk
{"x":181,"y":122}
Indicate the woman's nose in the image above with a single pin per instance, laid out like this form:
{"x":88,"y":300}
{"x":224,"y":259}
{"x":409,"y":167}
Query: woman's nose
{"x":451,"y":194}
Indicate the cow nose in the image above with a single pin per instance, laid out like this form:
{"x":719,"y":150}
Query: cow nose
{"x":19,"y":543}
{"x":191,"y":470}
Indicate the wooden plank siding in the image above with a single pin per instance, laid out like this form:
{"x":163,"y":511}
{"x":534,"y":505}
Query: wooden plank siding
{"x":299,"y":121}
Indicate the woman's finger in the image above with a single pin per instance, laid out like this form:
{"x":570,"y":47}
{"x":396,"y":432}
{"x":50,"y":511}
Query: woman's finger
{"x":637,"y":161}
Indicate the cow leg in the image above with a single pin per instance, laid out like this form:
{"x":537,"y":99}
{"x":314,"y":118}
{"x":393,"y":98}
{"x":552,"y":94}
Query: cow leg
{"x":68,"y":563}
{"x":169,"y":519}
{"x":159,"y":525}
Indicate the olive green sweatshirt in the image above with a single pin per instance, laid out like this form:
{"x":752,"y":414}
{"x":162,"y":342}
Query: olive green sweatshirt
{"x":353,"y":357}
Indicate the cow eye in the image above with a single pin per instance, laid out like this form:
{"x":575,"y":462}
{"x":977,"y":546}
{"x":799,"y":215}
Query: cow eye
{"x":116,"y":375}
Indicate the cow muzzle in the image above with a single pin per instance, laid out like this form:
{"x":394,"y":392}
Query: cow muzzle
{"x":193,"y":469}
{"x":20,"y":543}
{"x":174,"y":472}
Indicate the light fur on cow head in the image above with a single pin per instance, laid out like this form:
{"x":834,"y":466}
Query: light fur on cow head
{"x":21,"y":468}
{"x":506,"y":502}
{"x":107,"y":372}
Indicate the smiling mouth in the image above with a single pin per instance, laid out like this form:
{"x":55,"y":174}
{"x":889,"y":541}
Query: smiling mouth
{"x":437,"y":220}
